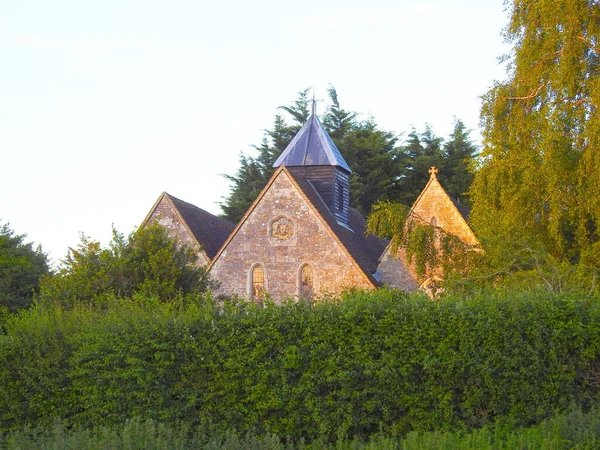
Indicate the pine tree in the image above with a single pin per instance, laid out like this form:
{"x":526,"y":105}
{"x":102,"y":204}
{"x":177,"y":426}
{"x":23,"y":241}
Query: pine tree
{"x":459,"y":152}
{"x":419,"y":152}
{"x":254,"y":172}
{"x":368,"y":151}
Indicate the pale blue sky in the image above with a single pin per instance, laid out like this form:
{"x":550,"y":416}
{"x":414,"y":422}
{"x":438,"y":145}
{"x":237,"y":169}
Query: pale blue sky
{"x":105,"y":104}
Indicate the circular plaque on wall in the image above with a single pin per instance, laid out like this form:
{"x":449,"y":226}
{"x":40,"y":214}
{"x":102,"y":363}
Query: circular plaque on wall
{"x":282,"y":229}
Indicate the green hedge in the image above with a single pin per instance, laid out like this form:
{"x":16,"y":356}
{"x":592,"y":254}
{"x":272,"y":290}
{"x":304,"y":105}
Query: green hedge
{"x":376,"y":362}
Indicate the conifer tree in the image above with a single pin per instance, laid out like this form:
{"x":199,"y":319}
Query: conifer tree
{"x":254,"y":172}
{"x":415,"y":157}
{"x":459,"y":152}
{"x":368,"y":151}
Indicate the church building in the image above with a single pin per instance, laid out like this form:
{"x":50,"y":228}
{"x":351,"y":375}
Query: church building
{"x":300,"y":238}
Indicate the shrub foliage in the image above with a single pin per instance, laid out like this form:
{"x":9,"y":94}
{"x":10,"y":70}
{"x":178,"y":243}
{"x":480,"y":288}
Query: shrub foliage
{"x":377,"y":362}
{"x":147,"y":263}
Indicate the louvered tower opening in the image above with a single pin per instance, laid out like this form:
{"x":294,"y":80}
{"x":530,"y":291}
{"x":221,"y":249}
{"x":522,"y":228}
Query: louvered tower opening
{"x":333,"y":185}
{"x":313,"y":155}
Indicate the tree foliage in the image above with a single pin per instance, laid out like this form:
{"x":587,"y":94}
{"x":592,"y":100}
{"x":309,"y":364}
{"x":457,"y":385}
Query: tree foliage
{"x":453,"y":158}
{"x":368,"y":150}
{"x":427,"y":248}
{"x":381,"y":170}
{"x":537,"y":187}
{"x":148,"y":263}
{"x":21,"y":267}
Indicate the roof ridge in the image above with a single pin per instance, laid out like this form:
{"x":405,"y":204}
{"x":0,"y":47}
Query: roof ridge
{"x":352,"y":240}
{"x":172,"y":197}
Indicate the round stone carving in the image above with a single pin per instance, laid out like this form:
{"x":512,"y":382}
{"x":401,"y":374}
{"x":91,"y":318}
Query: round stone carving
{"x":282,"y":229}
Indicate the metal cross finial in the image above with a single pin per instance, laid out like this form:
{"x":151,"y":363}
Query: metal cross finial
{"x":313,"y":101}
{"x":433,"y":171}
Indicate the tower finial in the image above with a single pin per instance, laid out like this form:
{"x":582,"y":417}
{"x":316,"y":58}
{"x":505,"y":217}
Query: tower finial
{"x":433,"y":172}
{"x":313,"y":101}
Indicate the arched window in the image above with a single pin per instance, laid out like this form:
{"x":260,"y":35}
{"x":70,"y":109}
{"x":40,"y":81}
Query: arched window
{"x":258,"y":282}
{"x":434,"y":222}
{"x":307,"y":282}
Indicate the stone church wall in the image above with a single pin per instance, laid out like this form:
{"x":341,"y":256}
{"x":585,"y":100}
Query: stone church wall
{"x":392,"y":272}
{"x":282,"y":234}
{"x":167,"y":218}
{"x":435,"y":203}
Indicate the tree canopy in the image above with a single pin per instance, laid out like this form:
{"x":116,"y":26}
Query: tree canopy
{"x":537,"y":185}
{"x":148,"y":262}
{"x":21,"y":267}
{"x":382,"y":170}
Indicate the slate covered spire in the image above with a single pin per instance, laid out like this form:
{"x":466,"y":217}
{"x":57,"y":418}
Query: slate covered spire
{"x":312,"y":146}
{"x":313,"y":155}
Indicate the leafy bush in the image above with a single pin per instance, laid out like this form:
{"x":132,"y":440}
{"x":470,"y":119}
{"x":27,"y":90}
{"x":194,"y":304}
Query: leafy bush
{"x":147,"y":263}
{"x":368,"y":363}
{"x":21,"y":267}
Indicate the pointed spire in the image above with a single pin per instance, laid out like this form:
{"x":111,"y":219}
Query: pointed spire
{"x":312,"y":146}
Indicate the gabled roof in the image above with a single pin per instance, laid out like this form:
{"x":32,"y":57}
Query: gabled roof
{"x":312,"y":146}
{"x":362,"y":249}
{"x":465,"y":232}
{"x":209,"y":230}
{"x":365,"y":250}
{"x":462,"y":209}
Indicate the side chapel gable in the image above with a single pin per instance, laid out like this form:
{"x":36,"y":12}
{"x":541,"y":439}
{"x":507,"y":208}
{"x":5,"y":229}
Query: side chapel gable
{"x":434,"y":206}
{"x":190,"y":225}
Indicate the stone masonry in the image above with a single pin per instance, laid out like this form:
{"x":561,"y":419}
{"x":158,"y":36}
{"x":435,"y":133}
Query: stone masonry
{"x":282,"y":233}
{"x":166,"y":216}
{"x":434,"y":203}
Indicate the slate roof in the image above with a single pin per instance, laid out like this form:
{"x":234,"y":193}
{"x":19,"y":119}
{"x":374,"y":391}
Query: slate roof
{"x":209,"y":230}
{"x":462,"y":209}
{"x":312,"y":146}
{"x":365,"y":250}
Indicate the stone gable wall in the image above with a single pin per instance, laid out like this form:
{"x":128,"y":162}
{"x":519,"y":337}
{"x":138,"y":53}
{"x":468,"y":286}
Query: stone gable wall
{"x":167,"y":218}
{"x":310,"y":243}
{"x":392,"y":272}
{"x":435,"y":203}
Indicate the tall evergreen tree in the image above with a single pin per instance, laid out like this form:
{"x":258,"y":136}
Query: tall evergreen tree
{"x":459,"y":152}
{"x":369,"y":152}
{"x":254,"y":172}
{"x":538,"y":181}
{"x":338,"y":121}
{"x":419,"y":152}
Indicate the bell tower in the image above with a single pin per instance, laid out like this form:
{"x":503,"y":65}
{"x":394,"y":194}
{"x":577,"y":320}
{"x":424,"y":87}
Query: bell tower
{"x":313,"y":155}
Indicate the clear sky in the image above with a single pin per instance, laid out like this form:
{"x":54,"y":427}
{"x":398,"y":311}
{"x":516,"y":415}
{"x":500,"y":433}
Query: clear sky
{"x":106,"y":104}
